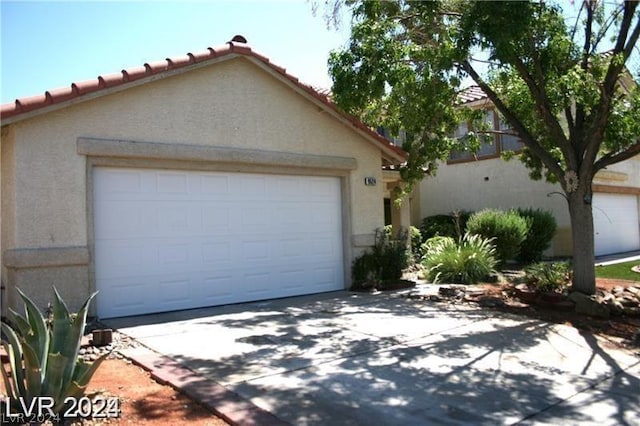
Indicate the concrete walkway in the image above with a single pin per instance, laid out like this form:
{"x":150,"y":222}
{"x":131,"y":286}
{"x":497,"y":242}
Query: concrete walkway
{"x":352,"y":359}
{"x":612,"y":259}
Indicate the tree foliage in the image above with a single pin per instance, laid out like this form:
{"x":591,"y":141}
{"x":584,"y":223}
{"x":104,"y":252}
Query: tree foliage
{"x":561,"y":84}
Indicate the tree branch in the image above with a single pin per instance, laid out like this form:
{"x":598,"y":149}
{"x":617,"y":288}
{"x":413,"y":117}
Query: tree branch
{"x":549,"y":119}
{"x":609,"y":159}
{"x":526,"y":137}
{"x":623,"y":46}
{"x":586,"y":49}
{"x":602,"y":32}
{"x":575,"y":24}
{"x":570,"y":123}
{"x":633,"y":40}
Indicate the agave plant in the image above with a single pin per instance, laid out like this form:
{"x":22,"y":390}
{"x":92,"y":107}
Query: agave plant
{"x":43,"y":355}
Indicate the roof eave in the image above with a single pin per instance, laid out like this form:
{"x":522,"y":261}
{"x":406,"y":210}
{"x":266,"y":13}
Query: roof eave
{"x":26,"y":108}
{"x":80,"y":98}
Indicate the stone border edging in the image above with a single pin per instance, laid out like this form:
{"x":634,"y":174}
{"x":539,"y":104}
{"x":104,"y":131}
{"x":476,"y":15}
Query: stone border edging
{"x":227,"y":404}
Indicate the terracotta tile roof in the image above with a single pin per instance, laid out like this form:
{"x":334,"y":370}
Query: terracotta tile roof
{"x":236,"y":47}
{"x":471,"y":94}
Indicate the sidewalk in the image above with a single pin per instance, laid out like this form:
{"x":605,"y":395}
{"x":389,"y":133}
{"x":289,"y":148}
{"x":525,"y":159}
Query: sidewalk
{"x":611,"y":259}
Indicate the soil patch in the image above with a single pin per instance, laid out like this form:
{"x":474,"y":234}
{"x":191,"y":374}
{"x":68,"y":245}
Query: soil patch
{"x":142,"y":400}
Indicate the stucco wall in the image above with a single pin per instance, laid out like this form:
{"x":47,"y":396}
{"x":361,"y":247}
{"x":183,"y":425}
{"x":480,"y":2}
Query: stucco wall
{"x":495,"y":183}
{"x":233,"y":103}
{"x":7,"y":201}
{"x":625,"y":174}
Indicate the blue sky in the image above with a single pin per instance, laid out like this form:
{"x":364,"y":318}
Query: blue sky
{"x":50,"y":44}
{"x":46,"y":45}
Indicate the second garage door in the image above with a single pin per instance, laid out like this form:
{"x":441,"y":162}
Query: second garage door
{"x":169,"y":240}
{"x":615,"y":220}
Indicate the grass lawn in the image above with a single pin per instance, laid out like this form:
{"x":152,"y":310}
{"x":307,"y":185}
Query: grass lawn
{"x":620,"y":271}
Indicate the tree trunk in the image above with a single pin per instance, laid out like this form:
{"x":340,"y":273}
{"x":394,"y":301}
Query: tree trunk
{"x":580,"y":211}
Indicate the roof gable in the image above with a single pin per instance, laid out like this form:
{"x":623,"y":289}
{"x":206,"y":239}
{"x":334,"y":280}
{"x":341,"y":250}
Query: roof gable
{"x":24,"y":108}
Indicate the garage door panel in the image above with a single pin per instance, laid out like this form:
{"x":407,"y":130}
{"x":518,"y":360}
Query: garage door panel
{"x":191,"y":239}
{"x":253,"y":251}
{"x":292,"y":280}
{"x":258,"y":282}
{"x":253,"y":187}
{"x":174,"y":291}
{"x":216,"y":253}
{"x":217,"y":288}
{"x":292,"y":248}
{"x":214,"y":185}
{"x":285,"y":189}
{"x":324,"y":276}
{"x":616,"y":226}
{"x":110,"y":298}
{"x":215,"y":218}
{"x":172,"y":183}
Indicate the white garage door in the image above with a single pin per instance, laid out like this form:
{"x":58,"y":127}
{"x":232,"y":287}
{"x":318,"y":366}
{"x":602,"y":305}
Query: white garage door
{"x":615,"y":218}
{"x":168,"y":240}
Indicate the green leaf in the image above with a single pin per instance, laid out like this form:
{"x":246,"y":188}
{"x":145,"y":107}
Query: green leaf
{"x":20,"y":322}
{"x":82,"y":376}
{"x":33,"y":372}
{"x":15,"y":358}
{"x":38,"y":338}
{"x":62,"y":324}
{"x":9,"y":381}
{"x":73,"y":339}
{"x":54,"y":377}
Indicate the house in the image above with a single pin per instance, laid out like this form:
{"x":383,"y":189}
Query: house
{"x":484,"y":180}
{"x":201,"y":180}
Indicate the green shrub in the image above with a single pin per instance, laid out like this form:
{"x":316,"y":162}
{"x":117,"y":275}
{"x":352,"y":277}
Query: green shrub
{"x":414,"y":234}
{"x":432,"y":242}
{"x":549,"y":276}
{"x":384,"y":262}
{"x":416,"y":241}
{"x":444,"y":225}
{"x":43,"y":354}
{"x":468,"y":262}
{"x":365,"y":272}
{"x":507,"y":229}
{"x":542,"y":228}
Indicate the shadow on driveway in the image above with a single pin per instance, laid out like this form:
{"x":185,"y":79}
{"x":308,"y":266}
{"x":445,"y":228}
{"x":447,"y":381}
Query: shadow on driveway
{"x":362,"y":359}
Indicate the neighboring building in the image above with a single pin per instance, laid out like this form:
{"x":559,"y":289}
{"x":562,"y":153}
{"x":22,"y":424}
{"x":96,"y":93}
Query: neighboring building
{"x":474,"y":182}
{"x":200,"y":180}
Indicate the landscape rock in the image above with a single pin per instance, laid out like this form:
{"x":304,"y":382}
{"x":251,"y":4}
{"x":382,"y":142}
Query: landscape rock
{"x":456,"y":292}
{"x":589,"y":305}
{"x":632,"y":311}
{"x":628,"y":301}
{"x":633,"y":289}
{"x":491,"y":302}
{"x":616,"y":307}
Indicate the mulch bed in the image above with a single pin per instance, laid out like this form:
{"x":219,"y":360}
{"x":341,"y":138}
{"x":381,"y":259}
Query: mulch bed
{"x":385,"y":286}
{"x":502,"y":296}
{"x":622,"y":326}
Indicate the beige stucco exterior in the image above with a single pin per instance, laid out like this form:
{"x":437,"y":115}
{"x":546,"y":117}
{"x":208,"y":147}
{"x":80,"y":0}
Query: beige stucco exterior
{"x":495,"y":183}
{"x":625,"y":174}
{"x":233,"y":115}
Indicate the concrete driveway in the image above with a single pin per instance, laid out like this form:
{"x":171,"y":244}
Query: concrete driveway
{"x":351,"y":359}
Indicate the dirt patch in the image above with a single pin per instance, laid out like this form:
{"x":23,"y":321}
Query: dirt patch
{"x":142,"y":400}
